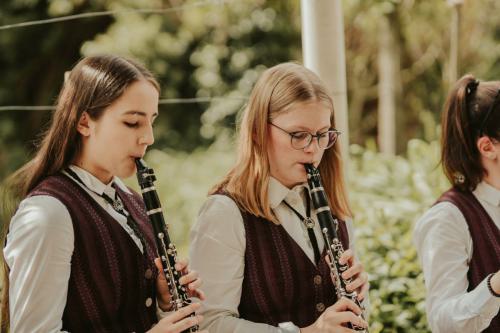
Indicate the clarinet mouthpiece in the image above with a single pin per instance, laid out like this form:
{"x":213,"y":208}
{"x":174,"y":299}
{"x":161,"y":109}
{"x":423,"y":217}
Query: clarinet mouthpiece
{"x":139,"y":162}
{"x":309,"y":167}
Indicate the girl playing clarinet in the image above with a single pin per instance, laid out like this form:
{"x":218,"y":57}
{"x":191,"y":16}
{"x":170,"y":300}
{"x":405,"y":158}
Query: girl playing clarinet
{"x":79,"y":255}
{"x":458,"y":239}
{"x":257,"y":242}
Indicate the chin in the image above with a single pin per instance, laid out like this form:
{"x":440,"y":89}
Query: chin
{"x":126,"y":172}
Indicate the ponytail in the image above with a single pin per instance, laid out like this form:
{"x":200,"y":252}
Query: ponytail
{"x":463,"y":118}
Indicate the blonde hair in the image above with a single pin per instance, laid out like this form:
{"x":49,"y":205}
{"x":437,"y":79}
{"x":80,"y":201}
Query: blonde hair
{"x":277,"y":89}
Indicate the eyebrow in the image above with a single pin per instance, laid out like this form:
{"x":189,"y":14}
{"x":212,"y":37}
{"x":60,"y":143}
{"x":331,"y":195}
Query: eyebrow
{"x":305,"y":129}
{"x":140,"y":113}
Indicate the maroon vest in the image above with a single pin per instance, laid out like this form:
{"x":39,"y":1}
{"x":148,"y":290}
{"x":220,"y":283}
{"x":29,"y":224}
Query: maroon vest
{"x":485,"y":241}
{"x":280,"y":282}
{"x":112,"y":284}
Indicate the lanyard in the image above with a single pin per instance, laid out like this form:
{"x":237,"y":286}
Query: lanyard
{"x":309,"y":223}
{"x":117,"y":205}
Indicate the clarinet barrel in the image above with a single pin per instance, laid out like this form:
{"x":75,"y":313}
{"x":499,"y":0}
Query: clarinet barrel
{"x":166,"y":249}
{"x":334,"y":247}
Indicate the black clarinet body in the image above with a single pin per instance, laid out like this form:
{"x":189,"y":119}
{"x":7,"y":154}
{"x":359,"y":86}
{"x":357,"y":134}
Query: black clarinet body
{"x":334,"y":247}
{"x":166,"y":249}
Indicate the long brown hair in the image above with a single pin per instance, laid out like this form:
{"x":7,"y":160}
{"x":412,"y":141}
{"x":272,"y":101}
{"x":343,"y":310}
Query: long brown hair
{"x":463,"y":122}
{"x":92,"y":85}
{"x":277,"y":89}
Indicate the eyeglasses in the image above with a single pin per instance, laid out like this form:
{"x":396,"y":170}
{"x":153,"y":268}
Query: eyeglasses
{"x":488,"y":113}
{"x":302,"y":139}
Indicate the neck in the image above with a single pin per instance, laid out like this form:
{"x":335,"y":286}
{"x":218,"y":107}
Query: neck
{"x":493,"y":180}
{"x":104,"y":176}
{"x":492,"y":168}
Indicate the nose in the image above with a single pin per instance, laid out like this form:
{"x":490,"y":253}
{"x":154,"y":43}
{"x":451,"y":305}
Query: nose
{"x":313,"y":146}
{"x":147,"y":138}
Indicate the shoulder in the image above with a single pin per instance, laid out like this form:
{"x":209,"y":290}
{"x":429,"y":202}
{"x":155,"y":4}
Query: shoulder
{"x":41,"y":214}
{"x":443,"y":212}
{"x":59,"y":186}
{"x":219,"y":203}
{"x":444,"y":218}
{"x":219,"y":218}
{"x":59,"y":181}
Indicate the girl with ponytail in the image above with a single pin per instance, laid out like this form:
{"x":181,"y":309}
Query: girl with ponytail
{"x":79,"y":253}
{"x":458,"y":239}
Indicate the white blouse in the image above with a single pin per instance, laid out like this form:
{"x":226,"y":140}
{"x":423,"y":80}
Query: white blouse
{"x":217,"y":252}
{"x":38,"y":252}
{"x":444,"y":246}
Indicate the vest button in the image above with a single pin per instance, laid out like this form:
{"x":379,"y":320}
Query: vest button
{"x":317,"y":280}
{"x":149,"y":302}
{"x":148,"y":274}
{"x":320,"y":307}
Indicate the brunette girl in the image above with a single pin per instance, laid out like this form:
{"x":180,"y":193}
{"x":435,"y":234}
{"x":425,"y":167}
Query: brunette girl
{"x":79,"y":254}
{"x":458,"y":239}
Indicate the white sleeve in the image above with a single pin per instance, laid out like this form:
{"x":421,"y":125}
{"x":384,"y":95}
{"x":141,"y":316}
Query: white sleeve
{"x":217,"y":252}
{"x":38,"y":252}
{"x":444,"y":247}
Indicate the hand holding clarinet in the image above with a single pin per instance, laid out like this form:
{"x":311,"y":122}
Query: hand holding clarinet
{"x":175,"y":283}
{"x":348,"y":276}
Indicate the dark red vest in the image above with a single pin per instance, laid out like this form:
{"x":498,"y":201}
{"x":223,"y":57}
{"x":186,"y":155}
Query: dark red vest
{"x":485,"y":241}
{"x":281,"y":284}
{"x":112,"y":283}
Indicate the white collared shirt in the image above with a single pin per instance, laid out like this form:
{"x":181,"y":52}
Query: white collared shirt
{"x":39,"y":248}
{"x":444,"y":246}
{"x":217,"y":252}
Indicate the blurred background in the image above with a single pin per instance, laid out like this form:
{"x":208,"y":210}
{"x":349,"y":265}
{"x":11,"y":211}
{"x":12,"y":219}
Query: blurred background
{"x":400,"y":55}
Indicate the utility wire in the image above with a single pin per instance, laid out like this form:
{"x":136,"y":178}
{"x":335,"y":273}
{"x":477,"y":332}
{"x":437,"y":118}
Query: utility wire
{"x":198,"y":100}
{"x":110,"y":12}
{"x":161,"y":101}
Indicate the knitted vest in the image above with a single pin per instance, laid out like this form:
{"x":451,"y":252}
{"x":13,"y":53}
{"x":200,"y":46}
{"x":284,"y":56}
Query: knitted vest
{"x":112,"y":284}
{"x":485,"y":241}
{"x":280,"y":282}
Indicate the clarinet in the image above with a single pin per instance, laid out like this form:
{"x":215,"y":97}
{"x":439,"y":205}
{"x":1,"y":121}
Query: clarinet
{"x":166,"y":249}
{"x":334,"y":247}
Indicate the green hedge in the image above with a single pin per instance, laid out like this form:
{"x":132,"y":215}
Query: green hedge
{"x":388,"y":195}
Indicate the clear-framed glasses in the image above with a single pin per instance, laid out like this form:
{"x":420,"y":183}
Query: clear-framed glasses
{"x":302,"y":139}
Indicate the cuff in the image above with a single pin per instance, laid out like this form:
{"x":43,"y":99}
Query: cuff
{"x":288,"y":327}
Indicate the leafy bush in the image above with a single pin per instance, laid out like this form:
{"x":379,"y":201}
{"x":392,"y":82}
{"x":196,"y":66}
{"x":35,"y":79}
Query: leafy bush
{"x":387,"y":193}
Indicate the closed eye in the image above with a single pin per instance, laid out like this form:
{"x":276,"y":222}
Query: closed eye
{"x":300,"y":135}
{"x":131,"y":125}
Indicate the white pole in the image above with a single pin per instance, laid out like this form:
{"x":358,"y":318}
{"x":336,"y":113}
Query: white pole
{"x":323,"y":50}
{"x":454,"y":40}
{"x":388,"y":66}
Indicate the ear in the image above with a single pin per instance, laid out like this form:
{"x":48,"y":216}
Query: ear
{"x":487,"y":149}
{"x":83,"y":126}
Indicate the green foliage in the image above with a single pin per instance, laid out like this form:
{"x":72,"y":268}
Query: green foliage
{"x":217,"y":50}
{"x":388,"y":194}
